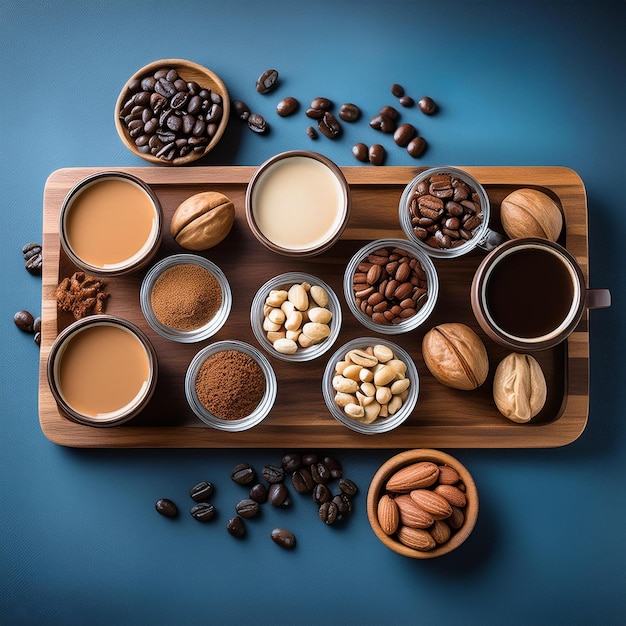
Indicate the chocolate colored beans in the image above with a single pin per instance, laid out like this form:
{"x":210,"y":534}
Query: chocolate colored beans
{"x":267,"y":81}
{"x":247,"y":508}
{"x":166,"y":507}
{"x":314,"y":114}
{"x":348,"y":487}
{"x":25,"y":321}
{"x":376,"y":154}
{"x":311,"y":132}
{"x":257,"y":124}
{"x":302,"y":481}
{"x":241,"y":109}
{"x":321,"y":494}
{"x":308,"y":458}
{"x":243,"y":474}
{"x":427,"y":105}
{"x":329,"y":125}
{"x":291,"y":462}
{"x":287,"y":106}
{"x":321,"y":104}
{"x":33,"y":259}
{"x":283,"y":538}
{"x":203,"y":512}
{"x":258,"y":493}
{"x":407,"y":101}
{"x":349,"y":112}
{"x":273,"y":473}
{"x":416,"y":147}
{"x":334,"y":467}
{"x":403,"y":134}
{"x":278,"y":495}
{"x":360,"y":152}
{"x":236,"y":527}
{"x":202,"y":491}
{"x":397,"y":90}
{"x":328,"y":512}
{"x":320,"y":473}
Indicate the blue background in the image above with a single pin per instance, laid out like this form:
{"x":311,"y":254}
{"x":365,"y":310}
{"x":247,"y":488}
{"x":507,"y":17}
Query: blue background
{"x":528,"y":83}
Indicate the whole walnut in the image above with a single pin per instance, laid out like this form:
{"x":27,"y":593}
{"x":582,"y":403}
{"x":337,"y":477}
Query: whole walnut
{"x":530,"y":213}
{"x":456,"y":356}
{"x":519,"y":387}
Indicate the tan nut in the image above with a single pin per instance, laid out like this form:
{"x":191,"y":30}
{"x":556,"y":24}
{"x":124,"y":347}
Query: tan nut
{"x":519,"y":387}
{"x":298,"y":295}
{"x":319,"y":295}
{"x":531,"y":213}
{"x":203,"y":220}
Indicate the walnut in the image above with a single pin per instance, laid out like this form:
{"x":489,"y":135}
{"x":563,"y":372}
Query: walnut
{"x":81,"y":295}
{"x":531,"y":213}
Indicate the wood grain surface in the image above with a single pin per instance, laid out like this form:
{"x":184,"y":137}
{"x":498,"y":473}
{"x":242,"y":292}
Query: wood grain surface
{"x":443,"y":417}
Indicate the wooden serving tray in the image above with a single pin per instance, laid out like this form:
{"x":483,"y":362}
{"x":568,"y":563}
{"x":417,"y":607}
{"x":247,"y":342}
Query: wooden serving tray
{"x":443,"y":417}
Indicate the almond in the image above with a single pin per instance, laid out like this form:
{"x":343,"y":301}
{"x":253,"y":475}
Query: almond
{"x":440,"y":531}
{"x":457,"y":518}
{"x":432,"y":503}
{"x":448,"y":475}
{"x":388,"y":515}
{"x":416,"y":538}
{"x":411,"y":514}
{"x":452,"y":494}
{"x":414,"y":476}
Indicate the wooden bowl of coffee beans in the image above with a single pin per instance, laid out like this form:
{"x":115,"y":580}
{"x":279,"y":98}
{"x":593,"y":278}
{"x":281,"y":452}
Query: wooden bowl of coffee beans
{"x":422,"y":503}
{"x":172,"y":112}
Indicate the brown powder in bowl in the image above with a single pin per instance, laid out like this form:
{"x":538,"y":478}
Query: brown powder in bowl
{"x":230,"y":384}
{"x":185,"y":297}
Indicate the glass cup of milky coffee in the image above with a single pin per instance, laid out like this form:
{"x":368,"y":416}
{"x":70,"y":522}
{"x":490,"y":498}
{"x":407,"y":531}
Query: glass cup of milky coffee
{"x":102,"y":370}
{"x":530,"y":294}
{"x":110,"y":224}
{"x":446,"y":211}
{"x":298,"y":203}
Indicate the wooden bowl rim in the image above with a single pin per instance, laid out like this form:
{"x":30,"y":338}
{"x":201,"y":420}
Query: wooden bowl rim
{"x":178,"y":65}
{"x":407,"y":458}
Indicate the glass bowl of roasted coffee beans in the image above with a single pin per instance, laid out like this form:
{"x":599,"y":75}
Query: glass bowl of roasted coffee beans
{"x":172,"y":112}
{"x":230,"y":386}
{"x":185,"y":298}
{"x":391,"y":286}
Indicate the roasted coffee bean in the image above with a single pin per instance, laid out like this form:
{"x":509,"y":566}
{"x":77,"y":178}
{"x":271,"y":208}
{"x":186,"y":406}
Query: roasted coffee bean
{"x":321,"y":494}
{"x":236,"y":526}
{"x":321,"y":104}
{"x":334,"y":466}
{"x":278,"y":495}
{"x":360,"y":152}
{"x":314,"y":114}
{"x":407,"y":101}
{"x":302,"y":481}
{"x":416,"y":147}
{"x":329,"y":125}
{"x":427,"y":105}
{"x":166,"y":507}
{"x":273,"y":473}
{"x":37,"y":325}
{"x":348,"y":487}
{"x":258,"y":493}
{"x":257,"y":124}
{"x":247,"y":508}
{"x":243,"y":474}
{"x":203,"y":511}
{"x":349,"y":112}
{"x":328,"y":512}
{"x":320,"y":473}
{"x":202,"y":491}
{"x":397,"y":90}
{"x":33,"y":257}
{"x":37,"y":338}
{"x":311,"y":132}
{"x":384,"y":123}
{"x":267,"y":81}
{"x":376,"y":154}
{"x":308,"y":458}
{"x":390,"y":112}
{"x":241,"y":109}
{"x":287,"y":106}
{"x":343,"y":504}
{"x":291,"y":462}
{"x":403,"y":134}
{"x":24,"y":320}
{"x":284,"y":538}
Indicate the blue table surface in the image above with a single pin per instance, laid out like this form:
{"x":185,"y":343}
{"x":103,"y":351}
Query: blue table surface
{"x":525,"y":83}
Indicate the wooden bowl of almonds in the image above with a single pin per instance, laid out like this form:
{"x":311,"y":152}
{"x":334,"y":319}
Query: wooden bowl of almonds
{"x":422,"y":503}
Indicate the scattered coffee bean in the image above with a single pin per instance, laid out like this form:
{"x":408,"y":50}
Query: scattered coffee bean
{"x":397,"y":90}
{"x":291,"y":462}
{"x":329,"y":125}
{"x":314,"y":114}
{"x":403,"y":134}
{"x":267,"y":81}
{"x":320,"y":473}
{"x":383,"y":123}
{"x":427,"y":105}
{"x":311,"y":132}
{"x":278,"y":495}
{"x":376,"y":154}
{"x":308,"y":458}
{"x":258,"y":493}
{"x":236,"y":527}
{"x":407,"y":102}
{"x":284,"y":538}
{"x":166,"y":507}
{"x":202,"y":491}
{"x":243,"y":474}
{"x":257,"y":124}
{"x":241,"y":109}
{"x":416,"y":147}
{"x":247,"y":508}
{"x":203,"y":511}
{"x":349,"y":112}
{"x":287,"y":106}
{"x":33,"y":257}
{"x":390,"y":112}
{"x":273,"y":473}
{"x":321,"y":494}
{"x":334,"y":467}
{"x":360,"y":152}
{"x":302,"y":481}
{"x":25,"y":321}
{"x":343,"y":504}
{"x":321,"y":104}
{"x":348,"y":487}
{"x":37,"y":338}
{"x":328,"y":512}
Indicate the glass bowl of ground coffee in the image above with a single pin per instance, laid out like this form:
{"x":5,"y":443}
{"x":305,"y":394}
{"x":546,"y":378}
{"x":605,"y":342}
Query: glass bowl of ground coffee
{"x":230,"y":386}
{"x":185,"y":298}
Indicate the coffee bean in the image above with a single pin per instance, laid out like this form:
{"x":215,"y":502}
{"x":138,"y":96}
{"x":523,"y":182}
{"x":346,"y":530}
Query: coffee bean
{"x":33,"y":257}
{"x":334,"y":466}
{"x":302,"y":481}
{"x":278,"y":495}
{"x":329,"y":126}
{"x":397,"y":90}
{"x":308,"y":458}
{"x":258,"y":493}
{"x":273,"y":473}
{"x":390,"y":112}
{"x":314,"y":114}
{"x":240,"y":108}
{"x":247,"y":508}
{"x":166,"y":507}
{"x":243,"y":474}
{"x":24,"y":320}
{"x":311,"y":132}
{"x":407,"y":102}
{"x":328,"y":512}
{"x":202,"y":491}
{"x":287,"y":106}
{"x":403,"y":134}
{"x":376,"y":154}
{"x":37,"y":338}
{"x":416,"y":147}
{"x":320,"y":473}
{"x":360,"y":152}
{"x":321,"y":104}
{"x":427,"y":105}
{"x":348,"y":487}
{"x":284,"y":538}
{"x":236,"y":527}
{"x":257,"y":124}
{"x":267,"y":81}
{"x":383,"y":123}
{"x":349,"y":112}
{"x":291,"y":462}
{"x":203,"y":511}
{"x":321,"y":494}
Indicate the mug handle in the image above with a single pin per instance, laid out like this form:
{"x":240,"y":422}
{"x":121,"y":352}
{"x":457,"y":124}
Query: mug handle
{"x":491,"y":239}
{"x":597,"y":299}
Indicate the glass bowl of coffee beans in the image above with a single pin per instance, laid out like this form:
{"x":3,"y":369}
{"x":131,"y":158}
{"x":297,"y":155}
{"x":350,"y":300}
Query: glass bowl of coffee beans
{"x":185,"y":298}
{"x":230,"y":386}
{"x":391,"y":286}
{"x":370,"y":385}
{"x":446,"y":211}
{"x":422,"y":503}
{"x":296,"y":317}
{"x":172,"y":112}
